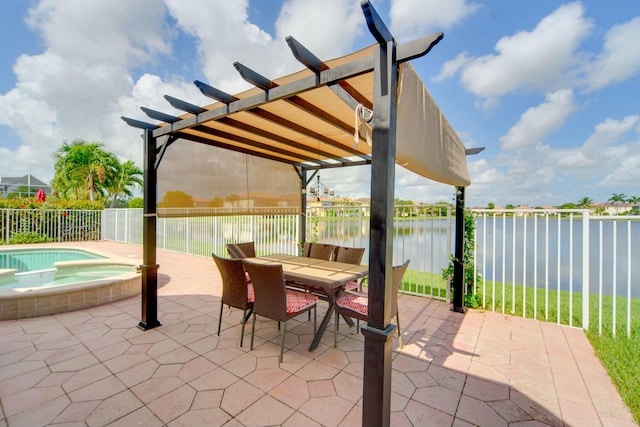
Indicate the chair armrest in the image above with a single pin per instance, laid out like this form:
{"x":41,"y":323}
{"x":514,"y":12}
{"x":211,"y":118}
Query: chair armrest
{"x":358,"y":294}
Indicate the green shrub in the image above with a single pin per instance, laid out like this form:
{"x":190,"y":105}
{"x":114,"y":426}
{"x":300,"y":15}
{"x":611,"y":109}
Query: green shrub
{"x":28,"y":237}
{"x":33,"y":203}
{"x":136,"y":202}
{"x":471,"y":298}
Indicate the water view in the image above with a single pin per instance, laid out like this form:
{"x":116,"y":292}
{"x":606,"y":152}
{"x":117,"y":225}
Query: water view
{"x":513,"y":250}
{"x":554,"y":249}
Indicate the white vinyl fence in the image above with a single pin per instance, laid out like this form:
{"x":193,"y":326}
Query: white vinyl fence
{"x":64,"y":225}
{"x":421,"y":234}
{"x":562,"y":266}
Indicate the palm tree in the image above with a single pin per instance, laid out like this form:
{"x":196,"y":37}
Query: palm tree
{"x":634,"y":200}
{"x":81,"y":168}
{"x":616,"y":199}
{"x":127,"y":176}
{"x":585,"y":203}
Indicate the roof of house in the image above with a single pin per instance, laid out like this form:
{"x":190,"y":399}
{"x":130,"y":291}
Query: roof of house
{"x":7,"y":182}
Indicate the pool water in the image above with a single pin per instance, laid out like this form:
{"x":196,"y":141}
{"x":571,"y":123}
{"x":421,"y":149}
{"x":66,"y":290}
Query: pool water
{"x":66,"y":276}
{"x":41,"y":259}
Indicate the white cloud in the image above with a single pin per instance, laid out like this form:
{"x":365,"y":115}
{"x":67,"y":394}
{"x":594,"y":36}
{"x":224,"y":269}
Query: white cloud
{"x":538,"y":122}
{"x":625,"y":175}
{"x":117,"y":32}
{"x":451,"y":67}
{"x":536,"y":59}
{"x":600,"y":162}
{"x":614,"y":152}
{"x":540,"y":175}
{"x":224,"y":35}
{"x":415,"y":18}
{"x":327,"y":28}
{"x":610,"y":132}
{"x":148,"y":91}
{"x":574,"y":159}
{"x":620,"y":58}
{"x":70,"y":89}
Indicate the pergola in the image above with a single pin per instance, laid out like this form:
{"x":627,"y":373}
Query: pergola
{"x":306,"y":120}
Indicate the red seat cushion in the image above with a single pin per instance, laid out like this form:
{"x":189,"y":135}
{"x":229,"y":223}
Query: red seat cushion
{"x":251,"y":296}
{"x":356,"y":303}
{"x":352,"y":286}
{"x":298,"y":301}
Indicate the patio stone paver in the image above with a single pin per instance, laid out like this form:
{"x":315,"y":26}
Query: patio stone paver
{"x":94,"y":367}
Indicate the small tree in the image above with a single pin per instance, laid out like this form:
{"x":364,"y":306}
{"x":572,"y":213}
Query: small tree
{"x":82,"y":169}
{"x":176,"y":199}
{"x":125,"y":177}
{"x":471,"y":299}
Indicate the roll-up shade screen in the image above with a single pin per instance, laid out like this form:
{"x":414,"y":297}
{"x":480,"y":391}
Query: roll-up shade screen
{"x":196,"y":179}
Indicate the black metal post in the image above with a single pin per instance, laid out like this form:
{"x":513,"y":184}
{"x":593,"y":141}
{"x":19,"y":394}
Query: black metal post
{"x":378,"y":334}
{"x":149,"y":265}
{"x":302,"y":221}
{"x":458,"y":265}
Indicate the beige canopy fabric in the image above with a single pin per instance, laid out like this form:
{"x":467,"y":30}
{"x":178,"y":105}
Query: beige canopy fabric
{"x":425,"y":141}
{"x":306,"y":119}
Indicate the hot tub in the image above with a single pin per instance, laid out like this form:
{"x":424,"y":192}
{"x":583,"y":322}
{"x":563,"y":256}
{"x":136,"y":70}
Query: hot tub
{"x":84,"y":279}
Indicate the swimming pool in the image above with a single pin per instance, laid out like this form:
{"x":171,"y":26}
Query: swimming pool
{"x":41,"y":281}
{"x":25,"y":260}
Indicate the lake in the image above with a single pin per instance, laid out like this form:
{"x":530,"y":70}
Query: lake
{"x":541,"y":249}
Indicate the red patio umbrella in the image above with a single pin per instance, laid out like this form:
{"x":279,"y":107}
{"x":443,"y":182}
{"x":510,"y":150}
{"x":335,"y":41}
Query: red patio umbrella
{"x":41,"y":196}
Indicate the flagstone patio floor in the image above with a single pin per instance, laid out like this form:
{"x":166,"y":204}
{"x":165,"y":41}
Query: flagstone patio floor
{"x":94,"y":367}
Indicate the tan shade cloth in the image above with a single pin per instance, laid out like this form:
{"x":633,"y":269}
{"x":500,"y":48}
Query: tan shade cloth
{"x":222,"y":162}
{"x":196,"y":179}
{"x":425,"y":141}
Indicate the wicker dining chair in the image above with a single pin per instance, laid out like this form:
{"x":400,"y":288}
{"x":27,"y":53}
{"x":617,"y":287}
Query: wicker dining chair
{"x":241,"y":250}
{"x":274,"y":301}
{"x":349,"y":256}
{"x":356,"y":305}
{"x":322,"y":251}
{"x":236,"y":291}
{"x":318,"y":250}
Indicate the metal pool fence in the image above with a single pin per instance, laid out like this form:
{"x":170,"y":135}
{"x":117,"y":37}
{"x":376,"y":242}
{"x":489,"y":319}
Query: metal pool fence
{"x":67,"y":225}
{"x":563,"y":266}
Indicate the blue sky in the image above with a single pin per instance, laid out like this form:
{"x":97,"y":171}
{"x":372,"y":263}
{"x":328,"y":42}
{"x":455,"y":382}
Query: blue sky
{"x":549,"y":88}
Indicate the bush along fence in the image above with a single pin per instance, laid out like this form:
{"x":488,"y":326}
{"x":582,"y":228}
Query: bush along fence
{"x":30,"y":221}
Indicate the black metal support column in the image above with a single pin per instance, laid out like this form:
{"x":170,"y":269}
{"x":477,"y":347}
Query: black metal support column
{"x":378,"y":334}
{"x":303,"y":206}
{"x":458,"y":265}
{"x":149,"y":265}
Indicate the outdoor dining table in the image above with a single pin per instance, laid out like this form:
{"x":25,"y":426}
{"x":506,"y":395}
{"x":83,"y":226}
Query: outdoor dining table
{"x":329,"y":276}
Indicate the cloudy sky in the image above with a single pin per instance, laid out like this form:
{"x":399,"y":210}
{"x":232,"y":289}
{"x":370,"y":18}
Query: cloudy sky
{"x":551,"y":89}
